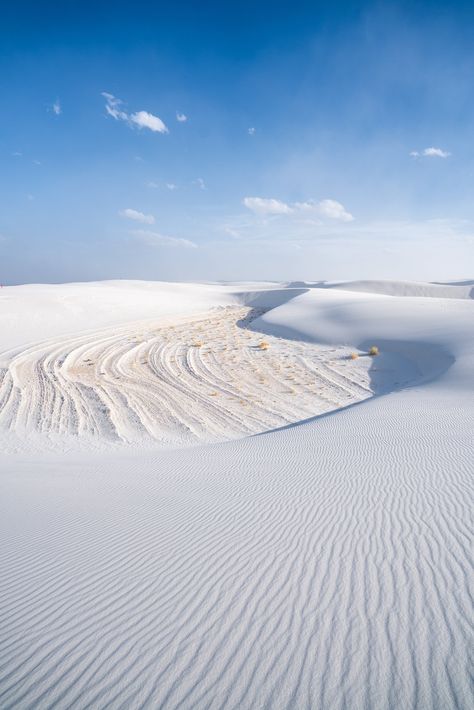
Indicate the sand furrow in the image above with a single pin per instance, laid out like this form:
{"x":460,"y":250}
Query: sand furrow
{"x":204,"y":379}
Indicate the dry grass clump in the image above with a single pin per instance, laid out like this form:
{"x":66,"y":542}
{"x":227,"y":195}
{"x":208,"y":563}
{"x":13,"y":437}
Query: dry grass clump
{"x":263,"y":345}
{"x":198,"y":344}
{"x":373,"y":350}
{"x":354,"y":356}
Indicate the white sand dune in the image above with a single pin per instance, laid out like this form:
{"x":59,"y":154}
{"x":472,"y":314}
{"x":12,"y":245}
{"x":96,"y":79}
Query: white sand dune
{"x":323,"y":564}
{"x":460,"y":289}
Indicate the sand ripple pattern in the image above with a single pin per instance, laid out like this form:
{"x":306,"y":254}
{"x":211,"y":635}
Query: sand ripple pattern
{"x":279,"y":571}
{"x":204,"y":379}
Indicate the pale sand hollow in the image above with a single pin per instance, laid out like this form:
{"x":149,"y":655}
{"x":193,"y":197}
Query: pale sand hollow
{"x":324,"y":563}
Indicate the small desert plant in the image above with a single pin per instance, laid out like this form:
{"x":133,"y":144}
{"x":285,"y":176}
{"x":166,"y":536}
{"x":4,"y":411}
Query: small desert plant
{"x":354,"y":356}
{"x":264,"y":345}
{"x":198,"y":344}
{"x":373,"y":350}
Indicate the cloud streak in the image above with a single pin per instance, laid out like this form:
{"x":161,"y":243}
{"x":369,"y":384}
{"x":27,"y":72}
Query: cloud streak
{"x":144,"y":119}
{"x":266,"y":205}
{"x":139,"y":119}
{"x":155,"y":239}
{"x":329,"y":209}
{"x":137,"y":216}
{"x":430,"y":153}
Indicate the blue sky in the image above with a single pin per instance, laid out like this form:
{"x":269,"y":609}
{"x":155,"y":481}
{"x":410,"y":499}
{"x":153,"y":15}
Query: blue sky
{"x":236,"y":141}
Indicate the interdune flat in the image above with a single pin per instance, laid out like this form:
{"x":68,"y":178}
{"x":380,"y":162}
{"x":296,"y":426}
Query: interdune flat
{"x":191,"y":520}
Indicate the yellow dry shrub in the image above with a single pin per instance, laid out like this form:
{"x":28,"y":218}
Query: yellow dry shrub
{"x":264,"y":345}
{"x":373,"y":350}
{"x":354,"y":356}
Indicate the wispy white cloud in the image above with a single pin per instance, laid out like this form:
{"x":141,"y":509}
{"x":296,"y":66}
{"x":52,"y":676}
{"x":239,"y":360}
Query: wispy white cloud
{"x":141,"y":119}
{"x":266,"y":205}
{"x":157,"y":185}
{"x":56,"y":107}
{"x":334,"y":210}
{"x":330,"y":209}
{"x":181,"y":117}
{"x":137,"y":216}
{"x":436,"y":153}
{"x":231,"y":232}
{"x":144,"y":119}
{"x":200,"y":183}
{"x":430,"y":153}
{"x":155,"y":239}
{"x":251,"y":131}
{"x":113,"y":107}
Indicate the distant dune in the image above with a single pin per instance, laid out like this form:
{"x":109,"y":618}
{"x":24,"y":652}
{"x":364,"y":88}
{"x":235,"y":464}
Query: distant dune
{"x":206,"y":502}
{"x":460,"y":289}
